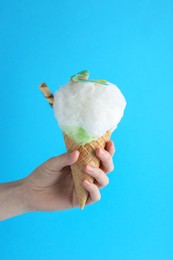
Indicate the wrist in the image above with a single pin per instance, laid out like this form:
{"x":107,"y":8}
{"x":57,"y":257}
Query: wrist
{"x":13,"y":199}
{"x":25,"y":196}
{"x":22,"y":196}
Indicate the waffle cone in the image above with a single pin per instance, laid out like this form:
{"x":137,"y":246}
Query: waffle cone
{"x":87,"y":156}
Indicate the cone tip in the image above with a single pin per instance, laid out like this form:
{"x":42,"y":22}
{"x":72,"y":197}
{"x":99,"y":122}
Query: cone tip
{"x":82,"y":206}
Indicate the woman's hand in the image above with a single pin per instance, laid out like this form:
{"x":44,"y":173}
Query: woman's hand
{"x":50,"y":187}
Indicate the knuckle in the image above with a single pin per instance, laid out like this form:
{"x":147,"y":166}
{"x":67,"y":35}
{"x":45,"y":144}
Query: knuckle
{"x":108,"y":156}
{"x":94,"y":193}
{"x":112,"y":168}
{"x":98,"y":198}
{"x":106,"y":181}
{"x":109,"y":169}
{"x":113,"y":145}
{"x":114,"y":150}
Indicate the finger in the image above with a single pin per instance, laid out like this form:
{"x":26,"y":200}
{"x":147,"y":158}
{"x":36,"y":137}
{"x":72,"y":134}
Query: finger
{"x":110,"y":147}
{"x":93,"y":190}
{"x":66,"y":159}
{"x":106,"y":160}
{"x":100,"y":177}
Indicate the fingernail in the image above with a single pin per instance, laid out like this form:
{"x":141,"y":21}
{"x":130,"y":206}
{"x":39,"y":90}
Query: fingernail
{"x":77,"y":152}
{"x":74,"y":152}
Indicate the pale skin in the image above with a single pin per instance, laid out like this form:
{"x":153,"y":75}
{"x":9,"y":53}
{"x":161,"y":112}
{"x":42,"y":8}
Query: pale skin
{"x":50,"y":186}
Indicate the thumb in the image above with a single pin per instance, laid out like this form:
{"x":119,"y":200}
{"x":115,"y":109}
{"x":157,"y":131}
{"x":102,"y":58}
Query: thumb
{"x":66,"y":159}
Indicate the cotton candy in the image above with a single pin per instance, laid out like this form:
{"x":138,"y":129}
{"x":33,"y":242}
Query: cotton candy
{"x":91,"y":107}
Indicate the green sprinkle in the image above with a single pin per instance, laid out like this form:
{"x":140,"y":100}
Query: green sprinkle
{"x":83,"y":77}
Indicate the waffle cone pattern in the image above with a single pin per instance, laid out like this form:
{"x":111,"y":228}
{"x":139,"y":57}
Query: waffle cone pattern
{"x":87,"y":156}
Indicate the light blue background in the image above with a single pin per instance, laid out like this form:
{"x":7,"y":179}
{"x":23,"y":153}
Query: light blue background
{"x":131,"y":44}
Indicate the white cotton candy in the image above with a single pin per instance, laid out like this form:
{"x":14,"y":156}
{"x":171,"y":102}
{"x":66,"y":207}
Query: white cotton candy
{"x":92,"y":106}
